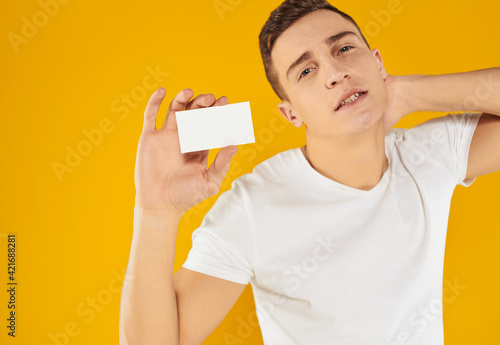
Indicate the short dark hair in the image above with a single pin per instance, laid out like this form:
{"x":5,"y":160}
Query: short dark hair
{"x":280,"y":20}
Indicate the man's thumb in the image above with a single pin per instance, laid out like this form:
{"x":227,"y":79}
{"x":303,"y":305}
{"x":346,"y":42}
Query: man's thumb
{"x":224,"y":156}
{"x":220,"y":166}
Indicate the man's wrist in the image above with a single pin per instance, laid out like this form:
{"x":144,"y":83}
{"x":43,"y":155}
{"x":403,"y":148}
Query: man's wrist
{"x":153,"y":209}
{"x":155,"y":218}
{"x":412,"y":85}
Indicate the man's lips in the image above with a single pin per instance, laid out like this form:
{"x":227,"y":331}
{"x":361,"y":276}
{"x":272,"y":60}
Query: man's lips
{"x":348,"y":94}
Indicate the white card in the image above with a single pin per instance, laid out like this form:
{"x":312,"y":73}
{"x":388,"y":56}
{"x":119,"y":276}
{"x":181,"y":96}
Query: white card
{"x":214,"y":127}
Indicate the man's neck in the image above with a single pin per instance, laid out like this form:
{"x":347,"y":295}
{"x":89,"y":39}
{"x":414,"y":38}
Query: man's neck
{"x":357,"y":161}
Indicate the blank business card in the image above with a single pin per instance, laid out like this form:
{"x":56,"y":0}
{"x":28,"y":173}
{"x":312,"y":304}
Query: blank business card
{"x":214,"y":127}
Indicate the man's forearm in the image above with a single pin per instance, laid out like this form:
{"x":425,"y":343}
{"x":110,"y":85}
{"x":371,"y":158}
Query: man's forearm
{"x":148,"y":309}
{"x":469,"y":91}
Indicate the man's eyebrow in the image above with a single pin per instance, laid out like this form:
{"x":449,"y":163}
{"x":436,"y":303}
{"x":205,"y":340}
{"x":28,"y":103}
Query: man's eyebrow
{"x":297,"y":62}
{"x":332,"y":39}
{"x":306,"y":55}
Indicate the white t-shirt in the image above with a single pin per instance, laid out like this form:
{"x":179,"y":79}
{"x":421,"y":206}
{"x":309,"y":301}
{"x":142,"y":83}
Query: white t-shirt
{"x":332,"y":264}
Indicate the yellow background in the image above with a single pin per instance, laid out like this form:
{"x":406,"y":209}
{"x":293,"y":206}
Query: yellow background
{"x":70,"y":75}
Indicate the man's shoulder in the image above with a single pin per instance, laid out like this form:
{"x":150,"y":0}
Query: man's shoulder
{"x":266,"y":178}
{"x":436,"y":127}
{"x":438,"y":135}
{"x":270,"y":170}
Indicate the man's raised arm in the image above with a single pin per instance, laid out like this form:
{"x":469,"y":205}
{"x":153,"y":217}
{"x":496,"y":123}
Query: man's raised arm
{"x":476,"y":91}
{"x":168,"y":183}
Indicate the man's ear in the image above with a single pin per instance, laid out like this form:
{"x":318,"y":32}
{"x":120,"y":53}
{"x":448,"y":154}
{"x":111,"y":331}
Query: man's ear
{"x":287,"y":111}
{"x":380,"y":63}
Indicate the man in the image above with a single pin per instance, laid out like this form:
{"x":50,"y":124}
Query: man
{"x":343,"y":239}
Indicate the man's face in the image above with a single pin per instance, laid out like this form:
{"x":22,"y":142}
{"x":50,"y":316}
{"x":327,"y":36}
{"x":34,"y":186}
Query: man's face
{"x":321,"y":60}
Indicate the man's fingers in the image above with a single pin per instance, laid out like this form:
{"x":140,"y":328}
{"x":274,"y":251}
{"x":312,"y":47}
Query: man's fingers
{"x":152,"y":109}
{"x":201,"y":101}
{"x":221,"y":101}
{"x":181,"y":100}
{"x":219,"y":167}
{"x":179,"y":103}
{"x":208,"y":100}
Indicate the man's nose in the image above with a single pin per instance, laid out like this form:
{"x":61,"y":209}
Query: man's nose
{"x":335,"y":72}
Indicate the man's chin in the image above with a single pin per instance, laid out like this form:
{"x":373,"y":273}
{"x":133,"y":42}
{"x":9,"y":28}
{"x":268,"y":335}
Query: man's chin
{"x":358,"y":122}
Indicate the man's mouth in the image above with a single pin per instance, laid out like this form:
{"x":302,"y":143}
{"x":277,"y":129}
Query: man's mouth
{"x":350,"y":99}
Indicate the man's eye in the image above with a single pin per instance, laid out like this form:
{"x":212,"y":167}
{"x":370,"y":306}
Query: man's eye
{"x":344,"y":49}
{"x":305,"y":72}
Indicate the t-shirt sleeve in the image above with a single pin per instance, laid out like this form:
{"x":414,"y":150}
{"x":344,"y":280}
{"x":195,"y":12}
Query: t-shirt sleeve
{"x":452,"y":135}
{"x":223,"y":245}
